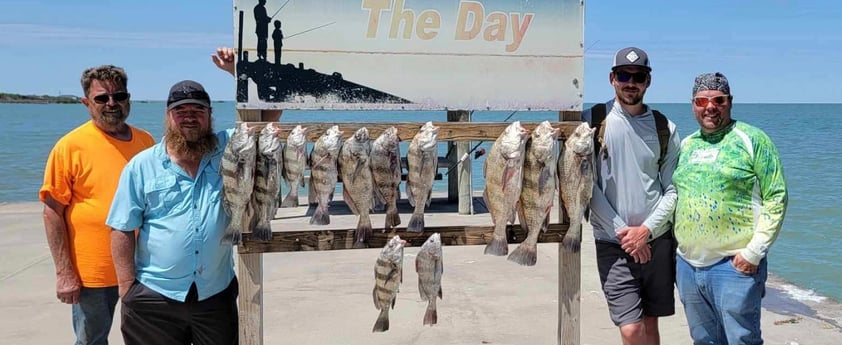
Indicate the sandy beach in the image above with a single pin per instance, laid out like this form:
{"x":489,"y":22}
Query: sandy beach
{"x":325,"y":298}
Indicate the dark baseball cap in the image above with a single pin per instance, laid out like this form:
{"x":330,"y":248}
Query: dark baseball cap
{"x":187,"y":92}
{"x":631,"y":56}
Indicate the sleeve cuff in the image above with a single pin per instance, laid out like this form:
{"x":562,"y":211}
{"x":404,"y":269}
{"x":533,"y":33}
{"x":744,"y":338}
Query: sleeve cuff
{"x":751,"y":257}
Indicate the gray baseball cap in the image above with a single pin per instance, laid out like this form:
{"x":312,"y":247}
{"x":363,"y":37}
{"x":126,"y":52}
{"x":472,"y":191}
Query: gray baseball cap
{"x":631,"y":56}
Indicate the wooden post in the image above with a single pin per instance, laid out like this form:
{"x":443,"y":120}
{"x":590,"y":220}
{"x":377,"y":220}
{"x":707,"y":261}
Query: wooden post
{"x":459,"y":182}
{"x":569,"y":274}
{"x":250,"y":276}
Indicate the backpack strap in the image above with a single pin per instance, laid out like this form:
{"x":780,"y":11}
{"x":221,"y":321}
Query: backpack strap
{"x":662,"y":126}
{"x":598,"y":113}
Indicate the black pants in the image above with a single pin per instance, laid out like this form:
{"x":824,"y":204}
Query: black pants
{"x":150,"y":318}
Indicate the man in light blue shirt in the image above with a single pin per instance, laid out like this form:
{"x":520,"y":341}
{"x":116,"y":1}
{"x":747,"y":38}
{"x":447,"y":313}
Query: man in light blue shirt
{"x":175,"y":278}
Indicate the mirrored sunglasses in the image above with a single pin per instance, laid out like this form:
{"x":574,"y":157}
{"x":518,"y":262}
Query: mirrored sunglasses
{"x":701,"y":101}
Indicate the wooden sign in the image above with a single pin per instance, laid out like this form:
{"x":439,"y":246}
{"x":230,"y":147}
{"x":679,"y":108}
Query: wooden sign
{"x":409,"y":54}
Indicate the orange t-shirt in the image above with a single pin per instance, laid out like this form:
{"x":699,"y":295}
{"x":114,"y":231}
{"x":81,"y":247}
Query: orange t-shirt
{"x":82,"y":173}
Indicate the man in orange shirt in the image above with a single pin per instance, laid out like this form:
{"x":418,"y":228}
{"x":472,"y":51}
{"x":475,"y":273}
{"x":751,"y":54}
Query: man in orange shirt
{"x":80,"y":178}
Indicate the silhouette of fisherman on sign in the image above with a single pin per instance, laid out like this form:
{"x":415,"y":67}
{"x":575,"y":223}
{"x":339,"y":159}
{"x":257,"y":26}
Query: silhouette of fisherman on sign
{"x":261,"y":28}
{"x":278,"y":39}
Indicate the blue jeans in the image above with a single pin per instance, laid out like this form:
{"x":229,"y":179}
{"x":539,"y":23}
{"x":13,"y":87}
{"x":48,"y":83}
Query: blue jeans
{"x":722,"y":305}
{"x":93,"y":314}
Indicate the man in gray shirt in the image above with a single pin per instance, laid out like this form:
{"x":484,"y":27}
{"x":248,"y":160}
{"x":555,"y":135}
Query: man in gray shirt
{"x":633,"y":201}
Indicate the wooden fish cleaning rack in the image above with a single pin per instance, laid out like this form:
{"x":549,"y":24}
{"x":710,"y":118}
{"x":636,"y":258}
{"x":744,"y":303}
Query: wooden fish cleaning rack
{"x":457,"y":132}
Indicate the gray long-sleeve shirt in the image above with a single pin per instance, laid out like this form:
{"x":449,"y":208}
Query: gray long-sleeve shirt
{"x":629,"y":189}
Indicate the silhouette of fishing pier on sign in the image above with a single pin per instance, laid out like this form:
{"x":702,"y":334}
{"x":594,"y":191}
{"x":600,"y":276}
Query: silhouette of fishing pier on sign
{"x":277,"y":83}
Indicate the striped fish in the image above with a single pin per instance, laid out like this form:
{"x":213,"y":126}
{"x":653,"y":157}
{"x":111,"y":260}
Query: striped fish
{"x":324,"y":173}
{"x":267,"y":181}
{"x":357,"y":185}
{"x":575,"y":178}
{"x":237,"y":171}
{"x":388,"y":276}
{"x":430,"y":268}
{"x":537,"y":192}
{"x":422,"y":161}
{"x":386,"y":172}
{"x":295,"y":157}
{"x":503,"y":180}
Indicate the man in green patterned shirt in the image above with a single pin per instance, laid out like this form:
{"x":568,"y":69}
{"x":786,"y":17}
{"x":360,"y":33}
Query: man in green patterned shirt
{"x":732,"y":198}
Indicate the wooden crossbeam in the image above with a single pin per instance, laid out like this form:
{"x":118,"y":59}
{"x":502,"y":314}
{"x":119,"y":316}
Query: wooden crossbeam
{"x":448,"y":131}
{"x":293,"y":241}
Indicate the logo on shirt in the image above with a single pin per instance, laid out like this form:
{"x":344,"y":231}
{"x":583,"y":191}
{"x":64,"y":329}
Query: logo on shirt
{"x":704,"y":156}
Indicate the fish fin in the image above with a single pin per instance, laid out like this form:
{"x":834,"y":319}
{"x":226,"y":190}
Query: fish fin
{"x":291,"y":200}
{"x":302,"y":182}
{"x":508,"y":173}
{"x":262,"y":231}
{"x":321,"y":216}
{"x":393,"y":219}
{"x":487,"y":204}
{"x":363,"y":232}
{"x":349,"y":200}
{"x":498,"y":246}
{"x":311,"y":193}
{"x":431,"y":316}
{"x":429,"y":197}
{"x":521,"y":212}
{"x":358,"y":169}
{"x":524,"y":254}
{"x":382,"y":323}
{"x":544,"y":177}
{"x":409,"y":195}
{"x":441,"y":295}
{"x":416,"y":223}
{"x":573,"y":238}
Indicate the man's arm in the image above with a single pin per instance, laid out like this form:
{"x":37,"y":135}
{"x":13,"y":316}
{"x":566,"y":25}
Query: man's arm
{"x":774,"y":196}
{"x":225,"y":59}
{"x":663,"y":212}
{"x":68,"y":283}
{"x":122,"y":251}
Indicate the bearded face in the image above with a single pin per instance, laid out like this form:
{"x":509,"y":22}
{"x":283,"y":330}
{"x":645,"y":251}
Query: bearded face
{"x":188,"y":131}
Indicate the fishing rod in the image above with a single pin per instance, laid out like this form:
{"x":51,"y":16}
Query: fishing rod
{"x":468,"y":154}
{"x":308,"y":30}
{"x":279,"y":10}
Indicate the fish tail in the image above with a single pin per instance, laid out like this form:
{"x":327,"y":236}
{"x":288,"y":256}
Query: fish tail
{"x":382,"y":323}
{"x":498,"y":246}
{"x":291,"y":200}
{"x":231,"y":237}
{"x":320,"y":216}
{"x":393,"y":219}
{"x":431,"y":317}
{"x":363,"y":232}
{"x":416,"y":223}
{"x":262,"y":231}
{"x":525,"y":254}
{"x":573,"y":238}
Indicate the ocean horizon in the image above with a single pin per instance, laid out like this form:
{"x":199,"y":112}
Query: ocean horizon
{"x":804,"y":133}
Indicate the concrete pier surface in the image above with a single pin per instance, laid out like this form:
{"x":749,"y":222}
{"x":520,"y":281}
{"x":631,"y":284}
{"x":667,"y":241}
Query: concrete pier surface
{"x":325,"y":298}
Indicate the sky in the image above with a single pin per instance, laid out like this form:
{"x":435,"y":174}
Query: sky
{"x":772,"y":51}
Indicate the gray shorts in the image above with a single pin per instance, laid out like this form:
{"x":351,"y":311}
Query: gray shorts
{"x":633,"y":290}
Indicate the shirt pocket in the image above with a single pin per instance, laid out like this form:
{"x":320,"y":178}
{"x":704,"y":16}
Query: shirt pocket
{"x":162,"y":194}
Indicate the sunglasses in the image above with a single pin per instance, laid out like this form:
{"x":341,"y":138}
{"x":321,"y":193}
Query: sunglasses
{"x":703,"y":102}
{"x":121,"y":96}
{"x":625,"y":77}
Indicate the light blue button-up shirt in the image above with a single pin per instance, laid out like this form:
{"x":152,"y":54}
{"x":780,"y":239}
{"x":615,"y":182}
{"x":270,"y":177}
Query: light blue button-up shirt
{"x":181,"y":222}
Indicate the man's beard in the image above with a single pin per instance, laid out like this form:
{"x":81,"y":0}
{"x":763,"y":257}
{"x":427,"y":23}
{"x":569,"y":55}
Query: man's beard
{"x":193,"y":145}
{"x":636,"y":99}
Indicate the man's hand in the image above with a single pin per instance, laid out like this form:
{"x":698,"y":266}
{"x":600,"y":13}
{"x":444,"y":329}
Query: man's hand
{"x":68,"y":287}
{"x":224,"y":59}
{"x":743,"y":265}
{"x":634,"y":240}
